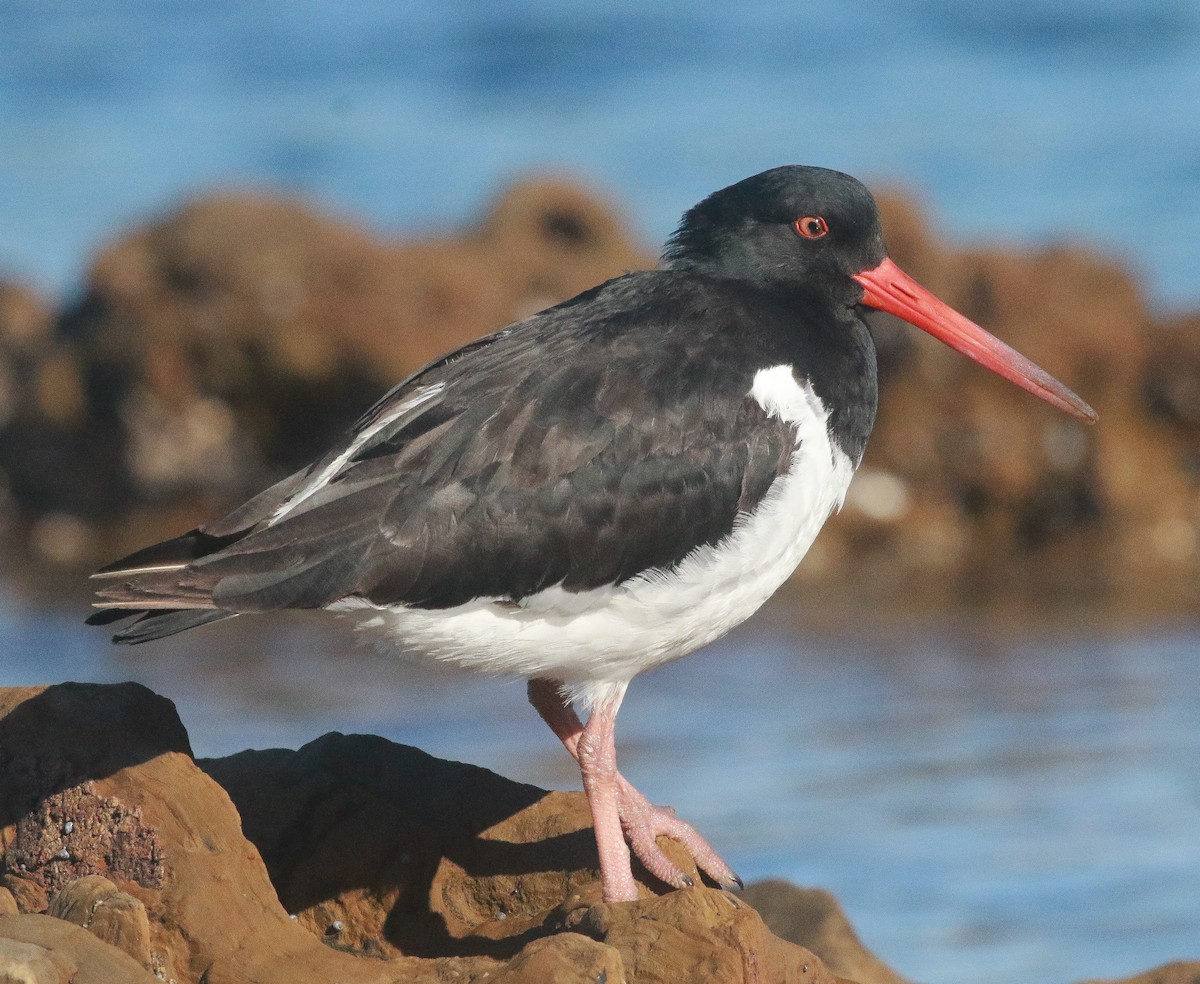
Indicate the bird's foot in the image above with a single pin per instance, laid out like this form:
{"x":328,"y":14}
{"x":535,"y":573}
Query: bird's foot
{"x":642,"y":822}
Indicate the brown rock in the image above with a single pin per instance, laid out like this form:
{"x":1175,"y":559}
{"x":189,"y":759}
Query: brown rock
{"x":812,"y":918}
{"x":28,"y":963}
{"x":8,"y":903}
{"x":214,"y":912}
{"x":27,"y":894}
{"x":97,"y":905}
{"x":563,"y":959}
{"x":397,"y":866}
{"x":25,"y":317}
{"x":971,"y":490}
{"x":702,"y":934}
{"x":231,"y":340}
{"x":41,"y":950}
{"x":476,"y":864}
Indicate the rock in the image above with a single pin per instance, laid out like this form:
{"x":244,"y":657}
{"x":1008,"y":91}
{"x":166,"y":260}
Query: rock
{"x":395,"y":865}
{"x":41,"y":950}
{"x":700,"y":935}
{"x":97,"y":905}
{"x":567,"y":957}
{"x":28,"y":963}
{"x":812,"y":918}
{"x":27,"y":895}
{"x":981,"y":494}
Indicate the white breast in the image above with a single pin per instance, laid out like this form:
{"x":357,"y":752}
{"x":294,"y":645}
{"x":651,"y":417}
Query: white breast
{"x":597,"y":640}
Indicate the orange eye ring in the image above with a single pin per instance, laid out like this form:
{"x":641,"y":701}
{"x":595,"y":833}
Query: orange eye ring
{"x":811,"y":226}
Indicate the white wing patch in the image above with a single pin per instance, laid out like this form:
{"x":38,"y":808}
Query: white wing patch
{"x":595,"y":640}
{"x":326,"y":474}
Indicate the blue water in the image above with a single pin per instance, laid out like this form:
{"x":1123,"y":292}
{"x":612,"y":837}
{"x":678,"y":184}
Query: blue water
{"x":1019,"y":121}
{"x":990,"y":806}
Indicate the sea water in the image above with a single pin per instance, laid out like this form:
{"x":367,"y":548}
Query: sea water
{"x":989,"y":805}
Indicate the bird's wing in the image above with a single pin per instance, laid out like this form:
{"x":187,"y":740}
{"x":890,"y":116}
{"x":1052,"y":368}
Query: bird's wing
{"x":494,"y":474}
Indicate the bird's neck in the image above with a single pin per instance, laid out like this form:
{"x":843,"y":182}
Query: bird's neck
{"x":827,"y":339}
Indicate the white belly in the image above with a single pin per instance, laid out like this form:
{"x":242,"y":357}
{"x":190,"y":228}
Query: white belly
{"x":596,"y":640}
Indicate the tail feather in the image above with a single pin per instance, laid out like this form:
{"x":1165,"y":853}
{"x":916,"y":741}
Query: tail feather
{"x":160,"y":587}
{"x":169,"y":555}
{"x":155,"y":587}
{"x":157,"y":625}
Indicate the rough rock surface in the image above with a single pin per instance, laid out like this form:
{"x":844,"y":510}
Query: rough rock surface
{"x":812,"y":918}
{"x":38,"y":949}
{"x":223,"y":344}
{"x":394,"y":865}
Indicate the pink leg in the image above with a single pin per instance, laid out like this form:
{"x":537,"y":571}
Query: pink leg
{"x":641,"y":821}
{"x":597,"y":753}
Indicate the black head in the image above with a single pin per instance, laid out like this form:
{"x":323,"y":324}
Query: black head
{"x":816,"y":229}
{"x":791,"y":223}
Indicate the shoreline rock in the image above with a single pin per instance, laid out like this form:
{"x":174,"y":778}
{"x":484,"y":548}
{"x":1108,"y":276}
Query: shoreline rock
{"x":393,"y":864}
{"x":352,"y":859}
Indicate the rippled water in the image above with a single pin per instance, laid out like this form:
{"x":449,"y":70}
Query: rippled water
{"x":989,"y":806}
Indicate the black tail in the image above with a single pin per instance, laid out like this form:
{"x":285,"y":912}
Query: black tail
{"x":151,"y":625}
{"x":150,"y":587}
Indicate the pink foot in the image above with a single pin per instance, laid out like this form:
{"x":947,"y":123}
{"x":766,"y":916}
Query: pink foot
{"x":643,"y":822}
{"x":619,"y":812}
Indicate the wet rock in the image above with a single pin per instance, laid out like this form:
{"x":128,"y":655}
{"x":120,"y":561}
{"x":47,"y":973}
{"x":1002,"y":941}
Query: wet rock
{"x":393,"y":864}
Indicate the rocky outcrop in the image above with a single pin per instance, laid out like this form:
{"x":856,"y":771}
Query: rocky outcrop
{"x":352,"y":859}
{"x":123,"y":860}
{"x":226,"y":343}
{"x":812,"y":918}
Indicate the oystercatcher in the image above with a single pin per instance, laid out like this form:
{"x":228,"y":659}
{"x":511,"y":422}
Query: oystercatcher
{"x":598,"y":489}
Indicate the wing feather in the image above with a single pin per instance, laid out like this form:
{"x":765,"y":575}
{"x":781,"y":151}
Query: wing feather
{"x":549,"y":453}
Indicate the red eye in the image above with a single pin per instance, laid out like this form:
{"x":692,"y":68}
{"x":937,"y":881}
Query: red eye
{"x":811,"y":226}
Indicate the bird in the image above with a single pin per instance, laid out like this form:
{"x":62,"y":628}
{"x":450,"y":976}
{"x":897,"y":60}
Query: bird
{"x":598,"y":489}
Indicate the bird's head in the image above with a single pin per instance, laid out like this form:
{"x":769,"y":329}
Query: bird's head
{"x":814,"y":226}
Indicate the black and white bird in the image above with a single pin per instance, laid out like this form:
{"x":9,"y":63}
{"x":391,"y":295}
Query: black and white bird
{"x":596,"y":490}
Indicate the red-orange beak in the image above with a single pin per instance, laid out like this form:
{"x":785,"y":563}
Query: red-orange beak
{"x":890,"y":289}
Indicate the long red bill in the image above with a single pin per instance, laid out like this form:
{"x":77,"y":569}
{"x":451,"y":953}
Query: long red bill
{"x":890,"y":289}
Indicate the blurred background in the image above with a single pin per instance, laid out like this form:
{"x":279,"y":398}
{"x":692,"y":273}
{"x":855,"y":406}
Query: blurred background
{"x":226,"y":227}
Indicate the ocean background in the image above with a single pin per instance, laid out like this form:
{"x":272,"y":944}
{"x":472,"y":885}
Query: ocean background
{"x":991,"y":802}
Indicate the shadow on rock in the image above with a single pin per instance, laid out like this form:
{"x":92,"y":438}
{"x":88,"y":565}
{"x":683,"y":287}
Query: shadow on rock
{"x":395,"y":866}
